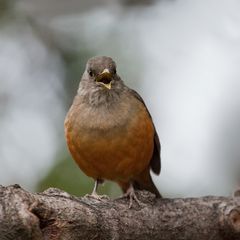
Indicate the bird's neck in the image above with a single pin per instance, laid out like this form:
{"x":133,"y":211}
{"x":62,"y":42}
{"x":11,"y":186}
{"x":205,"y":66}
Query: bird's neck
{"x":98,"y":97}
{"x":101,"y":111}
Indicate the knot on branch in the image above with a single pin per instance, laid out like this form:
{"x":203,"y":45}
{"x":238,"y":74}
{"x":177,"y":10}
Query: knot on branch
{"x":234,"y":219}
{"x":230,"y":219}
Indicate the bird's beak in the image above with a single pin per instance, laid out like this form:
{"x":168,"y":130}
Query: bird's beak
{"x":105,"y":78}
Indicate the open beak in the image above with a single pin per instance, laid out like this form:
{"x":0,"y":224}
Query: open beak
{"x":105,"y":78}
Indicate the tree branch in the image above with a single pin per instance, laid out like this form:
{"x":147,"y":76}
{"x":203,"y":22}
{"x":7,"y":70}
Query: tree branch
{"x":55,"y":214}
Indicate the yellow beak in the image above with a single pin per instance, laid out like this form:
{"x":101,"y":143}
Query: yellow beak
{"x":105,"y":78}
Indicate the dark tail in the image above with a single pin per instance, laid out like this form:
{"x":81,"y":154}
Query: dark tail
{"x":144,"y":182}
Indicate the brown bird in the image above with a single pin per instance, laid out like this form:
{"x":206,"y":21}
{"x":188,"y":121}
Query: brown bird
{"x":110,"y":132}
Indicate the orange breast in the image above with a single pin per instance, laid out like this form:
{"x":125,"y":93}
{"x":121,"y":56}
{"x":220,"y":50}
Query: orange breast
{"x":117,"y":153}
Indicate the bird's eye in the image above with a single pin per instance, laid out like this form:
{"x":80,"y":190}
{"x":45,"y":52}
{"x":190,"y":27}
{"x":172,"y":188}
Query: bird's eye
{"x":90,"y":72}
{"x":114,"y":71}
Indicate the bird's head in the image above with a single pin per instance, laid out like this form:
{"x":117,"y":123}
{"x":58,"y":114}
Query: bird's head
{"x":101,"y":72}
{"x":100,"y":81}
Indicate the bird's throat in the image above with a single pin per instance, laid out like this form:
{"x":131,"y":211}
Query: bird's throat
{"x":106,"y":85}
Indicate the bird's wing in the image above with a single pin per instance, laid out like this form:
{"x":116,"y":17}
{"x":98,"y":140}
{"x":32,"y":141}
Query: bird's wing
{"x":155,"y":162}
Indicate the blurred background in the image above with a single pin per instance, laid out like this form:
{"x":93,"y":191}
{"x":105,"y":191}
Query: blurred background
{"x":182,"y":56}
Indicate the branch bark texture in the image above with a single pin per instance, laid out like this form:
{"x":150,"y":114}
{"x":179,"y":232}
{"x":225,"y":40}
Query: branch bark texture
{"x":55,"y":214}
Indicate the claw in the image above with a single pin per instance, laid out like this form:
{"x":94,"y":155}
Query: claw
{"x":97,"y":197}
{"x":94,"y":194}
{"x":130,"y":193}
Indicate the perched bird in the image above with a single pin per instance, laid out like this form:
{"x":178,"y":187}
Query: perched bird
{"x":110,"y":132}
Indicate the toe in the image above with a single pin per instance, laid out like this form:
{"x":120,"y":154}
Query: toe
{"x":97,"y":197}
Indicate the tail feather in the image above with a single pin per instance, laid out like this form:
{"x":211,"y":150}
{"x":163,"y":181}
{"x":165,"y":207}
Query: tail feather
{"x":142,"y":182}
{"x":146,"y":183}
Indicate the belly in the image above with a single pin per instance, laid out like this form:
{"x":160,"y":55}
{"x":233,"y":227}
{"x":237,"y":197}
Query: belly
{"x":118,"y":153}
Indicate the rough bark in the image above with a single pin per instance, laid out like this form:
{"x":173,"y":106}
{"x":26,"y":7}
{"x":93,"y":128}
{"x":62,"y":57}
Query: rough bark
{"x":55,"y":214}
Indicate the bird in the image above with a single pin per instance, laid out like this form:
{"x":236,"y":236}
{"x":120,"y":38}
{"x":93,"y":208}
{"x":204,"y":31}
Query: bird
{"x":110,"y":132}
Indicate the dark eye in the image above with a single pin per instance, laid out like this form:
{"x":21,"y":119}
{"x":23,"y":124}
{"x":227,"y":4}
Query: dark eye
{"x":114,"y":71}
{"x":90,"y":72}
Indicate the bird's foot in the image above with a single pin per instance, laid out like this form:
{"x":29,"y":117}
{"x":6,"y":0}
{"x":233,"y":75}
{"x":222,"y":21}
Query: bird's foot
{"x":130,"y":193}
{"x":97,"y":197}
{"x":94,"y":194}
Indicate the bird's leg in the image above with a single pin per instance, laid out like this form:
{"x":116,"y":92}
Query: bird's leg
{"x":94,"y":193}
{"x":130,"y":193}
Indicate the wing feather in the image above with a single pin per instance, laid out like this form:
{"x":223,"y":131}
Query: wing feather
{"x":155,"y":162}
